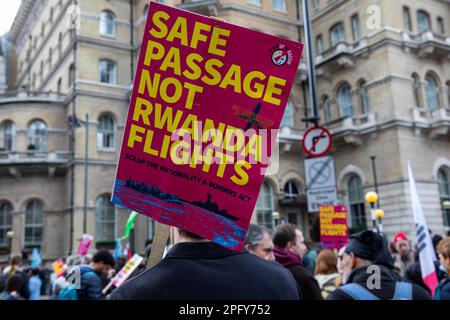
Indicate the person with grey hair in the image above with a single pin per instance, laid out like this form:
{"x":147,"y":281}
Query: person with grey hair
{"x":259,"y":242}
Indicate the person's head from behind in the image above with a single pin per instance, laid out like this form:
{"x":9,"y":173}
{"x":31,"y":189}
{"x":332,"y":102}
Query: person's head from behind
{"x":401,"y":244}
{"x":289,"y":238}
{"x":14,"y":283}
{"x":259,"y":242}
{"x":365,"y":248}
{"x":187,"y":236}
{"x":121,"y":262}
{"x":102,"y":262}
{"x":443,"y":250}
{"x":16,"y":260}
{"x":326,"y":262}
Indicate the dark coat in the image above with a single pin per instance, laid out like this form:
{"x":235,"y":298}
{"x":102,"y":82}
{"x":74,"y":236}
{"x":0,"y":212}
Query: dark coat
{"x":91,"y":285}
{"x":207,"y":271}
{"x":387,"y":285}
{"x":414,"y":274}
{"x":444,"y":289}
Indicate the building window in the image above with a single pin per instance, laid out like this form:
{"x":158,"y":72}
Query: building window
{"x":416,"y":90}
{"x":255,"y":2}
{"x":105,"y":220}
{"x":71,"y":75}
{"x":316,"y":4}
{"x":42,"y":29}
{"x":364,"y":97}
{"x":60,"y":44}
{"x":51,"y":14}
{"x":279,"y":5}
{"x":105,"y":135}
{"x":345,"y":101}
{"x":319,"y":44}
{"x":34,"y":223}
{"x":440,"y":25}
{"x":423,"y":20}
{"x":59,"y":86}
{"x":107,"y":23}
{"x":37,"y":136}
{"x":357,"y":219}
{"x":326,"y":110}
{"x":107,"y":71}
{"x":41,"y":70}
{"x":432,"y":89}
{"x":50,"y":54}
{"x":448,"y":94}
{"x":145,"y":9}
{"x":356,"y":28}
{"x":291,"y":190}
{"x":337,"y":34}
{"x":444,"y":193}
{"x":288,"y":117}
{"x":5,"y":222}
{"x":407,"y":19}
{"x":265,"y":206}
{"x":8,"y":136}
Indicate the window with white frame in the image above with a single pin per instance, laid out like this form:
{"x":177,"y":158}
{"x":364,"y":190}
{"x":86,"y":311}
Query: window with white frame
{"x":407,"y":19}
{"x":279,"y":5}
{"x":423,"y":21}
{"x":265,"y":206}
{"x":105,"y":220}
{"x":444,"y":193}
{"x":288,"y":117}
{"x":416,"y":90}
{"x":105,"y":132}
{"x":291,"y":189}
{"x":8,"y":135}
{"x":107,"y":71}
{"x":5,"y":222}
{"x":337,"y":34}
{"x":326,"y":110}
{"x":440,"y":25}
{"x":34,"y":223}
{"x":37,"y":139}
{"x":355,"y":195}
{"x":364,"y":97}
{"x":319,"y":44}
{"x":345,"y":101}
{"x":107,"y":23}
{"x":356,"y":28}
{"x":255,"y":2}
{"x":432,"y":89}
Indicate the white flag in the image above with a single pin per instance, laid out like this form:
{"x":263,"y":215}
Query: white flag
{"x":426,"y":249}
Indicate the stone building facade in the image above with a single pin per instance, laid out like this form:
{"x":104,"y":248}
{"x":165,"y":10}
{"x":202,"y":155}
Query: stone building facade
{"x":383,"y":89}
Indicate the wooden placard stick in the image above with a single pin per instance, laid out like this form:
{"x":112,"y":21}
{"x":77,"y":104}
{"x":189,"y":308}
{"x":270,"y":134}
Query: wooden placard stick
{"x":159,"y":244}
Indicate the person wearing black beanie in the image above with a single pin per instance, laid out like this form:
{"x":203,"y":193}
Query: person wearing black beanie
{"x":368,"y":275}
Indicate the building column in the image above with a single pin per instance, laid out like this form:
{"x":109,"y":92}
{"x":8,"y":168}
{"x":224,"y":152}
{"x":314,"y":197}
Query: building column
{"x":17,"y":226}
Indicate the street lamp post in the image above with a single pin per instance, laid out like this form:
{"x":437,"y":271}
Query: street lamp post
{"x":379,"y":214}
{"x":371,"y":198}
{"x":86,"y":150}
{"x":375,"y":182}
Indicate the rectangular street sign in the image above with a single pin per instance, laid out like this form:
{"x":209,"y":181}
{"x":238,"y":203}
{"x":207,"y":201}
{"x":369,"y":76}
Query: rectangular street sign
{"x":320,"y":182}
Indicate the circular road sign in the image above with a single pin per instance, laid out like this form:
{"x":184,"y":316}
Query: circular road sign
{"x":317,"y":141}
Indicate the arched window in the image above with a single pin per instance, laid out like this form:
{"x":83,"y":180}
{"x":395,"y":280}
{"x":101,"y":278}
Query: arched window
{"x":432,"y":89}
{"x":337,"y":34}
{"x":364,"y":97}
{"x":5,"y":222}
{"x":423,"y":21}
{"x":288,"y":117}
{"x":416,"y":90}
{"x":105,"y":132}
{"x":8,"y":136}
{"x":265,"y":206}
{"x":444,"y":193}
{"x":105,"y":220}
{"x":345,"y":101}
{"x":357,"y":219}
{"x":291,"y":189}
{"x":107,"y":71}
{"x":34,"y":223}
{"x":37,"y":136}
{"x":326,"y":109}
{"x":107,"y":23}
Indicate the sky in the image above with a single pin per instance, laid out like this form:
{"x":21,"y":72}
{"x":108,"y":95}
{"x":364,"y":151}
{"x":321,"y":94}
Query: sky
{"x":8,"y":10}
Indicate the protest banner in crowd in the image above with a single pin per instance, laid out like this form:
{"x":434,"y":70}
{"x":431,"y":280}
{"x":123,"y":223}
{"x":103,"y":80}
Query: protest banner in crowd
{"x":333,"y":226}
{"x":207,"y":102}
{"x":58,"y":267}
{"x":84,"y":245}
{"x":125,"y":272}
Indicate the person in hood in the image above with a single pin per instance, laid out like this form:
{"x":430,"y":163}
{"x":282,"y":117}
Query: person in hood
{"x":368,"y":275}
{"x":326,"y":272}
{"x":404,"y":257}
{"x":91,"y":276}
{"x":289,"y":247}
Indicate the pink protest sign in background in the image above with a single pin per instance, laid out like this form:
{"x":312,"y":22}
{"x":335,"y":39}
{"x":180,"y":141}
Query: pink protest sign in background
{"x":333,"y":226}
{"x":214,"y":201}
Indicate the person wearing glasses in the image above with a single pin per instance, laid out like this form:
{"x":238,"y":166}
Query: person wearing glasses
{"x":368,"y":272}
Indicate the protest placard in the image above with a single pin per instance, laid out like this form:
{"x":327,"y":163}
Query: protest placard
{"x":58,"y":267}
{"x":125,"y":272}
{"x":333,"y":226}
{"x":84,"y":245}
{"x":204,"y":114}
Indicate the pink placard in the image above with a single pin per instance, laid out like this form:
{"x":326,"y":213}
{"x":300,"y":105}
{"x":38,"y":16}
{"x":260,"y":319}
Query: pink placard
{"x":333,"y":226}
{"x":85,"y":243}
{"x":207,"y":102}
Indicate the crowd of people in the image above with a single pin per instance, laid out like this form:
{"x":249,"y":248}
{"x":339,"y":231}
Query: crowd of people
{"x":278,"y":265}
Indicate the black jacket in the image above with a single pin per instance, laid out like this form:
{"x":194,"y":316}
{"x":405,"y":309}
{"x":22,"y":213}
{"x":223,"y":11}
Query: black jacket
{"x":309,"y":286}
{"x":91,"y":284}
{"x":207,"y":271}
{"x":387,"y":285}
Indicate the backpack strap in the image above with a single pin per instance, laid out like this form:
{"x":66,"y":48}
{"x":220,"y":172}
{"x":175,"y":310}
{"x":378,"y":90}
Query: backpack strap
{"x":358,"y":292}
{"x":403,"y":291}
